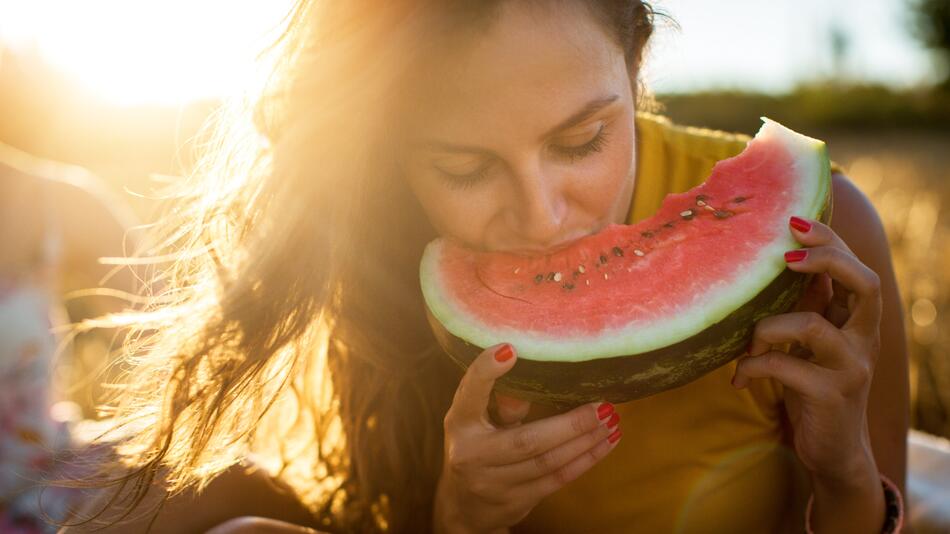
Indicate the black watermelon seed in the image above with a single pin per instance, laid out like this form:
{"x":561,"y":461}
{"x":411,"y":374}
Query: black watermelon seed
{"x":603,"y":258}
{"x":668,"y":224}
{"x":739,"y":199}
{"x":551,"y":276}
{"x":618,"y":252}
{"x":568,"y":286}
{"x":538,"y":279}
{"x":701,"y":198}
{"x":722,"y":214}
{"x":647,"y":234}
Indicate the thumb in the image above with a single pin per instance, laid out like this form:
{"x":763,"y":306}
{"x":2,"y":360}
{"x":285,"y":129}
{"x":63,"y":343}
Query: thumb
{"x":474,"y":390}
{"x":509,"y":411}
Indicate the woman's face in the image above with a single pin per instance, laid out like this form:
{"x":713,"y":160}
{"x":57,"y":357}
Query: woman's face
{"x":526,"y":140}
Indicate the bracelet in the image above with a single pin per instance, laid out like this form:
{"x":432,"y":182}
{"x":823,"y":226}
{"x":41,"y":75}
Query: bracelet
{"x":893,"y":506}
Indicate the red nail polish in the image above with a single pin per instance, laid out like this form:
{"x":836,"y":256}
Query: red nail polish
{"x":795,"y":255}
{"x":504,"y":354}
{"x":613,"y":438}
{"x":604,"y":410}
{"x":800,"y":224}
{"x":614,"y":420}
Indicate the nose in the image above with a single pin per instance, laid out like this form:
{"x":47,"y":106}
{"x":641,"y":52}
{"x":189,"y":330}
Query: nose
{"x":540,"y":208}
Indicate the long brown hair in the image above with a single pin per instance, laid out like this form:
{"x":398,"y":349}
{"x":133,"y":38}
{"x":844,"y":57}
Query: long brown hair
{"x":291,"y":323}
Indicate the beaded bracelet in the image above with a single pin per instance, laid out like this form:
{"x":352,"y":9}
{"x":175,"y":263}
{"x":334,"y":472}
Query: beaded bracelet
{"x":893,"y":505}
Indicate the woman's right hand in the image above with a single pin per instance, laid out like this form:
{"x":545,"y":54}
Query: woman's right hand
{"x":493,"y":476}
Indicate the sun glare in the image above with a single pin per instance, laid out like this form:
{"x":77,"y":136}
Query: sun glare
{"x":145,"y":52}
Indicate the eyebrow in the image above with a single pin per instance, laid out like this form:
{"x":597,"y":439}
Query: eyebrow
{"x":578,"y":117}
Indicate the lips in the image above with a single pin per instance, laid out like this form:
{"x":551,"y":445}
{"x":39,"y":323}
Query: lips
{"x":546,"y":249}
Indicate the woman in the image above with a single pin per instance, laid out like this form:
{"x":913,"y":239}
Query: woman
{"x":507,"y":126}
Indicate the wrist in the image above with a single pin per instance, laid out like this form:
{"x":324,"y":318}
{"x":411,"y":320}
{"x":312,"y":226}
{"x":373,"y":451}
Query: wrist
{"x":849,"y":501}
{"x":850,"y":478}
{"x":445,"y":512}
{"x":893,"y":507}
{"x":448,"y":515}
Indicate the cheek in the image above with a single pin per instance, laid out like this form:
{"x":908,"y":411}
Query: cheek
{"x":462,"y":214}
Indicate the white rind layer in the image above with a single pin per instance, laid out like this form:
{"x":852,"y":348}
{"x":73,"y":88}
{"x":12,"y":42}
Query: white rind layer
{"x":812,"y":168}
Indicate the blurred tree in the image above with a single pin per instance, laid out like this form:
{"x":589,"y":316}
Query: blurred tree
{"x":932,"y":27}
{"x":840,"y":43}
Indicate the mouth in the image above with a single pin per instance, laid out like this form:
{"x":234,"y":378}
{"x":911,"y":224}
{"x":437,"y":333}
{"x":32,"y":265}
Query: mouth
{"x":551,"y":248}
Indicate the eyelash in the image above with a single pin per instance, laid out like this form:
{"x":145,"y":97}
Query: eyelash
{"x":594,"y":145}
{"x":572,"y":153}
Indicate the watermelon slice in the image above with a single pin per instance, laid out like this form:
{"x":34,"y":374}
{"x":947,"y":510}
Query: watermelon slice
{"x":638,"y":309}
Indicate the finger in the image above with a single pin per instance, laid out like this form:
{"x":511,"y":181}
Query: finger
{"x":559,"y":456}
{"x":847,"y":269}
{"x":812,"y":233}
{"x":810,"y":329}
{"x":837,"y":312}
{"x":563,"y":475}
{"x":806,"y":378}
{"x":509,"y":411}
{"x":818,"y":295}
{"x":472,"y":395}
{"x":531,"y":439}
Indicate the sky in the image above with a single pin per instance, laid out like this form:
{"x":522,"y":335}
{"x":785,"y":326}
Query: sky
{"x":145,"y":51}
{"x":771,"y":45}
{"x":142,"y":51}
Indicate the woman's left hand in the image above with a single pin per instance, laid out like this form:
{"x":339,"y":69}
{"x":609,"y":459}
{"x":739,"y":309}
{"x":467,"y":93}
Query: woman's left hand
{"x":827,"y":381}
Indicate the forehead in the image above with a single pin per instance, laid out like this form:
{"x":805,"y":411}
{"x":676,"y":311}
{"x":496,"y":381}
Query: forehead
{"x":537,"y":62}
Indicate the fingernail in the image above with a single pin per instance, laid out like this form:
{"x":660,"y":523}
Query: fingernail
{"x":799,"y":224}
{"x":613,"y":438}
{"x":614,"y":420}
{"x":504,"y":353}
{"x":604,"y":410}
{"x":795,"y":255}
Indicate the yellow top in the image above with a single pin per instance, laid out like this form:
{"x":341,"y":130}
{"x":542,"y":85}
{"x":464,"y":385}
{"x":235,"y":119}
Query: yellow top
{"x":701,"y":458}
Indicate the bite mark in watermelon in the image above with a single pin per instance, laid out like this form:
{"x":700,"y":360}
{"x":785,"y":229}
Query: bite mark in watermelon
{"x":638,"y":309}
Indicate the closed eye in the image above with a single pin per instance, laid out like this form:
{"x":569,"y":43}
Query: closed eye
{"x":464,"y":181}
{"x":596,"y":144}
{"x":572,"y":153}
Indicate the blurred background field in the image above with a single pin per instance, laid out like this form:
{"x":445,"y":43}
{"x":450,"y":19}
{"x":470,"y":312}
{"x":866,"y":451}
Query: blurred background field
{"x":121,"y":88}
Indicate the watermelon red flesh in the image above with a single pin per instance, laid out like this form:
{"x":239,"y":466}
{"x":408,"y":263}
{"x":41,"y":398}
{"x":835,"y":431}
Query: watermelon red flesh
{"x":631,"y":289}
{"x":670,"y":250}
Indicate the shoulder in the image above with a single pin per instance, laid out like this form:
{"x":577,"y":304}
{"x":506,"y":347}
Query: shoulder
{"x":693,"y":141}
{"x":239,"y":492}
{"x":672,"y":158}
{"x":857,"y":222}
